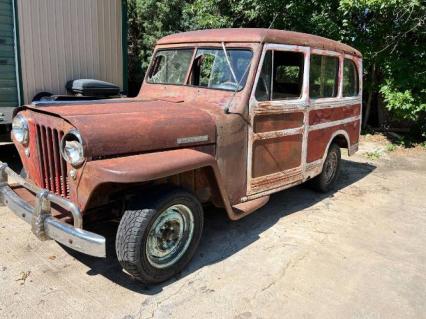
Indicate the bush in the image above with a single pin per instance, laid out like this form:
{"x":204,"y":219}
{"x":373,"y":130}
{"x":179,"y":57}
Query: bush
{"x":404,"y":105}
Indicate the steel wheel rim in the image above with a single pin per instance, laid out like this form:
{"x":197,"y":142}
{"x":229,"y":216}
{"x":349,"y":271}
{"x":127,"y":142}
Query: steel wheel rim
{"x":330,"y":167}
{"x":169,"y":236}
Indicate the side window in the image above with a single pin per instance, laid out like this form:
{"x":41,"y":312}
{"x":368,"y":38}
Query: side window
{"x":288,"y":75}
{"x":263,"y":88}
{"x":350,"y":78}
{"x":281,"y":77}
{"x":323,"y":76}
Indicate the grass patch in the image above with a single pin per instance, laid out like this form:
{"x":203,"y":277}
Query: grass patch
{"x":390,"y":147}
{"x":375,"y":155}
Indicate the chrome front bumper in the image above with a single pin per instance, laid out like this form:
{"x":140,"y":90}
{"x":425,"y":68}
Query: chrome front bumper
{"x":43,"y":224}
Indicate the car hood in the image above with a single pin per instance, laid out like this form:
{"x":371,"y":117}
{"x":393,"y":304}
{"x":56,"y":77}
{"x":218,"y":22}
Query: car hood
{"x":117,"y":127}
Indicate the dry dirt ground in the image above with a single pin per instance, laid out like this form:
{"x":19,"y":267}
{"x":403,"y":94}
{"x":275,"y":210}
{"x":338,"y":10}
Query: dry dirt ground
{"x":357,"y":252}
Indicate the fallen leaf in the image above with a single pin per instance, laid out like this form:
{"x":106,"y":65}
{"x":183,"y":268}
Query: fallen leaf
{"x":24,"y":276}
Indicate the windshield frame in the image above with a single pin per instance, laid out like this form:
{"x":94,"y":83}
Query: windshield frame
{"x":195,"y":49}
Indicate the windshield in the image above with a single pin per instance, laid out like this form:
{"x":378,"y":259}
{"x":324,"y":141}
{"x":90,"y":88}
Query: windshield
{"x":209,"y":68}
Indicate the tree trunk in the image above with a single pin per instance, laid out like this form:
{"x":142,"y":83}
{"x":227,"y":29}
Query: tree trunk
{"x":380,"y":111}
{"x":370,"y":96}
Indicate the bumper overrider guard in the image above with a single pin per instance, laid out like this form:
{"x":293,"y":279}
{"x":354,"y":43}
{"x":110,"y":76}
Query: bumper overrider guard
{"x":43,"y":224}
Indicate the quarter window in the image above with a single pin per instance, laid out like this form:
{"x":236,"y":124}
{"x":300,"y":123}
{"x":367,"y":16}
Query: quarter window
{"x":281,"y":77}
{"x":350,"y":78}
{"x":323,"y":76}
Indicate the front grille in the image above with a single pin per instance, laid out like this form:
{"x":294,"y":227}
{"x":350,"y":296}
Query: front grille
{"x":53,"y":167}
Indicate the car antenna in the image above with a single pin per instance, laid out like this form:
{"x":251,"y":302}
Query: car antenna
{"x":245,"y":72}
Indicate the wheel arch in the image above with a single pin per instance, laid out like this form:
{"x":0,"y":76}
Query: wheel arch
{"x":341,"y":138}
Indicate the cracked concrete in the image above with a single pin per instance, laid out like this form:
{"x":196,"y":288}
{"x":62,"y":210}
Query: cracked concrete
{"x":357,"y":252}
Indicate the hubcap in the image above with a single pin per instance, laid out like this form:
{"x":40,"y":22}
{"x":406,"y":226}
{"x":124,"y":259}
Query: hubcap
{"x":170,"y":236}
{"x":330,"y":167}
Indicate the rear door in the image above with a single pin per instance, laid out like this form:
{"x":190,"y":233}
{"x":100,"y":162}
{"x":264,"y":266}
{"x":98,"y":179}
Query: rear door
{"x":9,"y":97}
{"x":278,"y":112}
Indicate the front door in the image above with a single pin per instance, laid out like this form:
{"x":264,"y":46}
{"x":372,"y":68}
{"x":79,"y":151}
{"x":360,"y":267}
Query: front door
{"x":278,"y":111}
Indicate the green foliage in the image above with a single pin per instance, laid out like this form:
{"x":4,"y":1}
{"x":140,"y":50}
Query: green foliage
{"x":406,"y":106}
{"x":402,"y":103}
{"x":391,"y":147}
{"x":149,"y":20}
{"x":374,"y":155}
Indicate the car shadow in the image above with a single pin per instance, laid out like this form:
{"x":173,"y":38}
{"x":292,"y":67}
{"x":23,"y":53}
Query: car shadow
{"x":222,"y":238}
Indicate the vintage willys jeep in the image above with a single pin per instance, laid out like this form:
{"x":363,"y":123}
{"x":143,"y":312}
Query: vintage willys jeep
{"x":226,"y":117}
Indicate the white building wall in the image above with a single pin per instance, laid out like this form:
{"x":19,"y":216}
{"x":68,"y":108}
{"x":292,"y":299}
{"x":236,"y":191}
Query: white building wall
{"x":61,"y":40}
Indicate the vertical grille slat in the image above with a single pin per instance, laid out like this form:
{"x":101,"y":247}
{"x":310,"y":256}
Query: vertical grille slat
{"x":57,"y":162}
{"x":64,"y":175}
{"x":43,"y":157}
{"x":50,"y":162}
{"x":52,"y":166}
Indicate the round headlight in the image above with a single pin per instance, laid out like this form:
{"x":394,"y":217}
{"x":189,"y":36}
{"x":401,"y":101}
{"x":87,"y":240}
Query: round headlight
{"x":72,"y":148}
{"x":20,"y":129}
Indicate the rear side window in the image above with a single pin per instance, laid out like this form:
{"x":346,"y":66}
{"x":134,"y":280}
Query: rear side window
{"x":323,"y":76}
{"x":350,"y":78}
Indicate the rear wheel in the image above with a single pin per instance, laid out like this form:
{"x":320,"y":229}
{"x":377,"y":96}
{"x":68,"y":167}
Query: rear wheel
{"x":330,"y":170}
{"x":157,"y":238}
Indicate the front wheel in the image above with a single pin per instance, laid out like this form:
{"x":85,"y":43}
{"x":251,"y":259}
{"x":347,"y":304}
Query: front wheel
{"x":157,"y":238}
{"x":330,"y":170}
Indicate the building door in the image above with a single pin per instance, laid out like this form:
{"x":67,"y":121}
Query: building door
{"x":9,"y":92}
{"x":278,"y":110}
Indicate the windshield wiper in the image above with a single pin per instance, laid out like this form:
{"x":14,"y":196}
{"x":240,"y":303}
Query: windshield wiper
{"x":238,"y":83}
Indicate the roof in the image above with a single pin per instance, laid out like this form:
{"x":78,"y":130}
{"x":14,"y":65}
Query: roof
{"x":258,"y":35}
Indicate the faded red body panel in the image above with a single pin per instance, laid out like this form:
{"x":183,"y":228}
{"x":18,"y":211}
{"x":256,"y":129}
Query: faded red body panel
{"x":318,"y":140}
{"x":129,"y":128}
{"x":333,"y":114}
{"x":276,"y":122}
{"x":276,"y":155}
{"x":148,"y":167}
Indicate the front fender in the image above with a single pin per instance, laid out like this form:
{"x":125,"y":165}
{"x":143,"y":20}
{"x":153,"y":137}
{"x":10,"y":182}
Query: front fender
{"x":146,"y":167}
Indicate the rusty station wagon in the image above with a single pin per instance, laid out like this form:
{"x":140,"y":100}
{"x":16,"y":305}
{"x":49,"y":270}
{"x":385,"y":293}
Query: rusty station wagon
{"x":226,"y":117}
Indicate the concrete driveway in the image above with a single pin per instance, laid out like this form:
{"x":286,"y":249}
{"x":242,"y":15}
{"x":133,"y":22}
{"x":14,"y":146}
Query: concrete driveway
{"x":358,"y":252}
